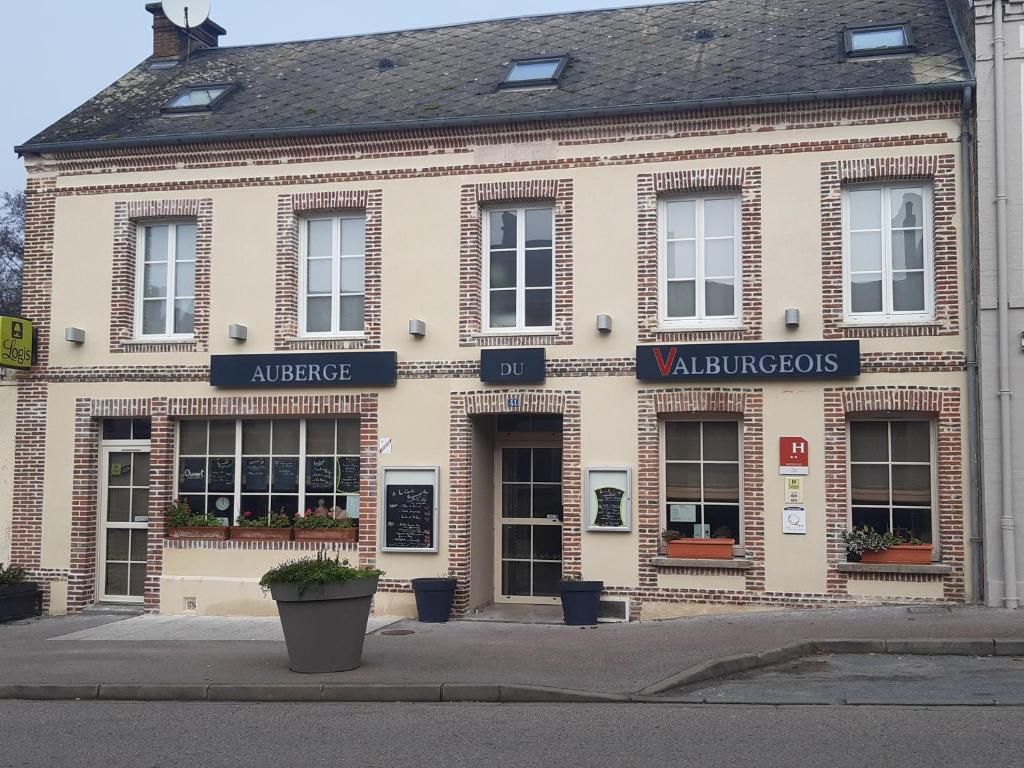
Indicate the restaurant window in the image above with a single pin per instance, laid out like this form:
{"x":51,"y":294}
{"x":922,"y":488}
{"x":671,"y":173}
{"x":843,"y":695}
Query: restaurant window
{"x":263,"y":466}
{"x":332,"y":275}
{"x":891,"y":477}
{"x":166,"y":280}
{"x":700,"y":261}
{"x":702,"y":479}
{"x":888,"y":247}
{"x":519,"y":269}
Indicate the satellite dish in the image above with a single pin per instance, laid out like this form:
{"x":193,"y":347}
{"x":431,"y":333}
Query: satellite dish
{"x":187,"y":13}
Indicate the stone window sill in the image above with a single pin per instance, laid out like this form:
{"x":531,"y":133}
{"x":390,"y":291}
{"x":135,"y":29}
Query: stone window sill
{"x":935,"y":569}
{"x":736,"y":564}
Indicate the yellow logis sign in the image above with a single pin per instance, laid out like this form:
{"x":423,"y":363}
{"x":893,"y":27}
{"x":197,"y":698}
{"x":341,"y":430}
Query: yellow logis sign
{"x":15,"y":342}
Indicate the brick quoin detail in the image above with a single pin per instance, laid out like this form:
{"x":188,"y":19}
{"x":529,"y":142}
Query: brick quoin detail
{"x":463,"y":407}
{"x":164,"y":414}
{"x":290,"y":210}
{"x":650,"y":187}
{"x":657,"y":405}
{"x":127,"y":218}
{"x":472,"y":253}
{"x":940,"y":172}
{"x":939,"y":404}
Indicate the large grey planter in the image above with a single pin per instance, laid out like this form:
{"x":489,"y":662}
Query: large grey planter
{"x":324,"y":626}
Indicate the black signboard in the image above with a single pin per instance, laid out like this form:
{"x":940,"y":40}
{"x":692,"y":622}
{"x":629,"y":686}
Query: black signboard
{"x":320,"y":474}
{"x":222,"y":474}
{"x":749,"y":360}
{"x":255,"y":475}
{"x":286,"y":475}
{"x":348,"y":474}
{"x":609,"y":507}
{"x":192,"y":475}
{"x":518,"y":366}
{"x":326,"y":369}
{"x":409,"y":517}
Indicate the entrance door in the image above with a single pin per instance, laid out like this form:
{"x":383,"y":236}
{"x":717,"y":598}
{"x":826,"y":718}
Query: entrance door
{"x":529,"y":530}
{"x":124,"y":518}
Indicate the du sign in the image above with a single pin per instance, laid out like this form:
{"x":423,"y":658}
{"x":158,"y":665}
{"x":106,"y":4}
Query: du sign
{"x":516,"y":366}
{"x":330,"y":369}
{"x":749,"y":360}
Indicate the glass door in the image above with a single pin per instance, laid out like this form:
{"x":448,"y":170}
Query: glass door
{"x":529,"y":533}
{"x":124,"y":505}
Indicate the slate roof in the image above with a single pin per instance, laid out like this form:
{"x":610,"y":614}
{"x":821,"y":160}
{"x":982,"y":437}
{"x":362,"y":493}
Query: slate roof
{"x":623,"y":60}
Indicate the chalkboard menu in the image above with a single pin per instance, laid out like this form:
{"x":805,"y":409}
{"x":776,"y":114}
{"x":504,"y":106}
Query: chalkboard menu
{"x":608,"y":499}
{"x":409,"y":509}
{"x":348,"y":474}
{"x":286,"y":475}
{"x":192,"y":475}
{"x":222,"y":474}
{"x":320,"y":474}
{"x":609,"y":507}
{"x":255,"y":475}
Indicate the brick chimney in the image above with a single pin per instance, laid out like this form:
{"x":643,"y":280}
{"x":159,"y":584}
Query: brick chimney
{"x":171,"y":42}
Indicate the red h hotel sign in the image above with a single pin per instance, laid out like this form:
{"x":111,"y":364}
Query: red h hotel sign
{"x":792,"y":456}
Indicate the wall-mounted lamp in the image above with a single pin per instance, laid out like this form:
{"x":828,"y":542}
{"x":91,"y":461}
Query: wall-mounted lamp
{"x":792,"y":318}
{"x":238,"y":332}
{"x":604,"y":323}
{"x":74,"y":335}
{"x":418,"y":328}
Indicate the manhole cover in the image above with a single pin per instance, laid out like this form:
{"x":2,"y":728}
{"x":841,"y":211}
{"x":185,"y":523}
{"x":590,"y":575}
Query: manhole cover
{"x":397,"y":632}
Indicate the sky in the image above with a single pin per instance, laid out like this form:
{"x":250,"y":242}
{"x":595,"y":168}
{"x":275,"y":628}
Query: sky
{"x":56,"y":54}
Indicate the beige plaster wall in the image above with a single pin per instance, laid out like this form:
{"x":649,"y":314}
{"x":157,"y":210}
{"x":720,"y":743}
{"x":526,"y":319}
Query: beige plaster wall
{"x":8,"y":411}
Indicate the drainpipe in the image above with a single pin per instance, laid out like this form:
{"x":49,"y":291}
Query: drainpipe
{"x":971,"y":338}
{"x":1006,"y":523}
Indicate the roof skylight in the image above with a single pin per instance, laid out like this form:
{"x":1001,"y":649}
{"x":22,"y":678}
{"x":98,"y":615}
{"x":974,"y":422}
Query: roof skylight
{"x":528,"y":72}
{"x":198,"y":98}
{"x":874,"y":40}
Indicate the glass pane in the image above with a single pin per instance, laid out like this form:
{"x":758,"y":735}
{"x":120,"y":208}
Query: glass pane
{"x":257,"y":505}
{"x":872,"y":517}
{"x":320,"y":473}
{"x":119,"y":505}
{"x":503,"y":269}
{"x":911,"y":484}
{"x":318,"y":314}
{"x":319,"y":233}
{"x":722,"y":482}
{"x":116,"y":582}
{"x":913,"y":523}
{"x":320,"y":436}
{"x":156,"y":243}
{"x":138,"y":545}
{"x":545,"y":579}
{"x":682,"y":298}
{"x":286,"y":437}
{"x":908,"y":249}
{"x":184,"y":315}
{"x":682,"y":440}
{"x":538,"y":228}
{"x":879,"y":38}
{"x":140,"y":469}
{"x":869,"y":441}
{"x":719,"y":258}
{"x":140,"y":504}
{"x":222,"y":438}
{"x":348,"y":437}
{"x":907,"y":208}
{"x":869,"y":483}
{"x":721,"y":441}
{"x":682,"y":482}
{"x":538,"y":268}
{"x":138,"y":579}
{"x":911,"y":441}
{"x":515,"y":541}
{"x":908,"y":292}
{"x":547,"y":542}
{"x":547,"y":465}
{"x":723,"y":521}
{"x":351,"y":313}
{"x":154,"y":280}
{"x":353,"y":236}
{"x":284,"y":476}
{"x":503,"y":309}
{"x":515,"y":500}
{"x":117,"y":429}
{"x":193,"y":437}
{"x":352,"y":270}
{"x":682,"y":259}
{"x":865,"y":209}
{"x":255,"y":437}
{"x":533,"y":70}
{"x":680,"y":218}
{"x":503,"y":229}
{"x":719,"y":298}
{"x":255,"y":474}
{"x":141,"y":429}
{"x":515,"y":578}
{"x":185,"y":278}
{"x":547,"y":500}
{"x":719,"y":218}
{"x":318,"y":276}
{"x":866,"y":293}
{"x":221,"y":475}
{"x":285,"y":505}
{"x":117,"y":543}
{"x":154,"y":316}
{"x":185,"y":243}
{"x":119,"y":469}
{"x":866,"y":251}
{"x":538,"y":307}
{"x":516,"y":464}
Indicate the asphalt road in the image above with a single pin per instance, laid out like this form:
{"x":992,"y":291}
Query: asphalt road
{"x":138,"y":735}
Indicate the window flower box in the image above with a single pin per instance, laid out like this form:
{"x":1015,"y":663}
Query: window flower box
{"x":252,"y":533}
{"x":206,"y":532}
{"x":700,"y":549}
{"x":327,"y":534}
{"x":901,"y":554}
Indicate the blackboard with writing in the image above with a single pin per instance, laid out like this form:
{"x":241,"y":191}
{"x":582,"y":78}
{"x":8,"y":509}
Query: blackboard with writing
{"x":609,"y":507}
{"x":320,"y":474}
{"x":409,"y":517}
{"x":286,"y":475}
{"x":255,"y":475}
{"x":192,"y":475}
{"x":348,"y":474}
{"x":222,"y":474}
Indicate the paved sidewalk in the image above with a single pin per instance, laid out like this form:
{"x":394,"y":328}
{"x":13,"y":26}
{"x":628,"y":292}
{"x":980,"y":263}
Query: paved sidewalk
{"x":196,"y":629}
{"x":608,"y":659}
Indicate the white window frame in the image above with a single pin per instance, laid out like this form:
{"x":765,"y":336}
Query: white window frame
{"x":700,"y":320}
{"x":888,"y":316}
{"x":169,"y":297}
{"x":336,"y":259}
{"x":932,"y":474}
{"x":520,"y":326}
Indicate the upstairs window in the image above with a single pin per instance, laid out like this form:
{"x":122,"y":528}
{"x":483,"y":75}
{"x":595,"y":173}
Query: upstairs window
{"x":198,"y":98}
{"x":166,"y":292}
{"x":876,"y":40}
{"x":519,"y":269}
{"x":332,"y":276}
{"x":530,"y":72}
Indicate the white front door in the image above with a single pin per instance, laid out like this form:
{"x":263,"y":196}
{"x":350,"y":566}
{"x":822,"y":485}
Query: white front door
{"x":123,"y":521}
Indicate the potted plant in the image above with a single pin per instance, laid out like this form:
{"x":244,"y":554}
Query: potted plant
{"x":258,"y":527}
{"x":324,"y":605}
{"x":182,"y":524}
{"x":868,"y":546}
{"x":434,"y":597}
{"x":715,"y":548}
{"x":19,"y":597}
{"x":580,"y":600}
{"x":324,"y":528}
